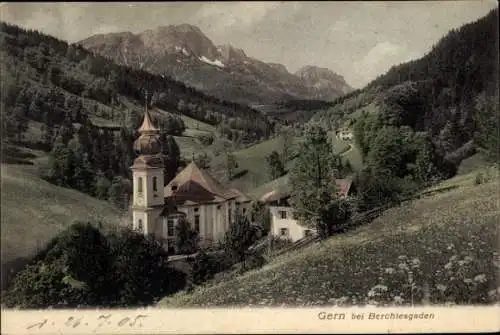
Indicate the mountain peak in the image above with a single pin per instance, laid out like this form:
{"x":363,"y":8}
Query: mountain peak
{"x":321,"y":78}
{"x":230,"y":54}
{"x":183,"y":52}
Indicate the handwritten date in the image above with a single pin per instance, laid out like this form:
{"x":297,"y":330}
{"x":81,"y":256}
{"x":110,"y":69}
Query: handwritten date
{"x":100,"y":321}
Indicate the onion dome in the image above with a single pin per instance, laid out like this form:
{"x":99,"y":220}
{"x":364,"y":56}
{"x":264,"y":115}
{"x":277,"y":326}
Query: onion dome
{"x":149,"y":141}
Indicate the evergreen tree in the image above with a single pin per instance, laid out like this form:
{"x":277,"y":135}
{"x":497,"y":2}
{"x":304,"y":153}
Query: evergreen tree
{"x":172,"y":156}
{"x":102,"y":185}
{"x":186,"y":238}
{"x":202,"y":161}
{"x":119,"y":191}
{"x":58,"y":160}
{"x":275,"y":165}
{"x":231,"y":165}
{"x":83,"y":177}
{"x":312,"y":180}
{"x":239,"y":237}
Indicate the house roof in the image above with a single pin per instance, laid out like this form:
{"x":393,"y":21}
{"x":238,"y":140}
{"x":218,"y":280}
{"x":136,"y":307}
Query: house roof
{"x":240,"y":196}
{"x":193,"y":186}
{"x":274,"y":195}
{"x":344,"y":186}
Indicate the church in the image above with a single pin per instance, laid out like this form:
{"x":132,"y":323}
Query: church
{"x":192,"y":195}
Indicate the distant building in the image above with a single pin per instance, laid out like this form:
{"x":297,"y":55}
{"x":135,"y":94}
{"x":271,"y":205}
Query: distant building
{"x":192,"y":195}
{"x":283,"y":223}
{"x":345,"y":134}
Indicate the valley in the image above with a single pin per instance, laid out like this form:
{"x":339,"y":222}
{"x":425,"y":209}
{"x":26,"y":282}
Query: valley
{"x":155,"y":167}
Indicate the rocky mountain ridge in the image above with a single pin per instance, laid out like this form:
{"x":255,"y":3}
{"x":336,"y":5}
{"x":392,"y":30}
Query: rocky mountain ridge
{"x":185,"y":53}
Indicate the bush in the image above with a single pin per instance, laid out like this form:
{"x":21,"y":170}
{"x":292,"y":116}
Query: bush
{"x":84,"y":267}
{"x":479,"y":178}
{"x":206,"y":266}
{"x":254,"y":261}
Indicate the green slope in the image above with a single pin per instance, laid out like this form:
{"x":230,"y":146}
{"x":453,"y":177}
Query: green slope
{"x":447,"y":240}
{"x":34,"y":211}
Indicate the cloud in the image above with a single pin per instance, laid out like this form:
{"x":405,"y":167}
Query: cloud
{"x":379,"y":59}
{"x":340,"y":25}
{"x":242,"y":15}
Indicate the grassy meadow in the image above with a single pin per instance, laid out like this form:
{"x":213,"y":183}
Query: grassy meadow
{"x":34,"y":210}
{"x":437,"y":250}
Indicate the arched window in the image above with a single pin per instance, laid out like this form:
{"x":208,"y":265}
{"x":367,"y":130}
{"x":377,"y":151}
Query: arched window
{"x":139,"y":225}
{"x":139,"y":185}
{"x":155,"y":184}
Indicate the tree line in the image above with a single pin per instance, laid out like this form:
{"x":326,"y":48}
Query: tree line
{"x":91,"y":265}
{"x":46,"y":62}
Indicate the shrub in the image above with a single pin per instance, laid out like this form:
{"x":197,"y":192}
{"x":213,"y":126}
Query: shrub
{"x":206,"y":266}
{"x":479,"y":178}
{"x":84,"y":267}
{"x":254,"y":261}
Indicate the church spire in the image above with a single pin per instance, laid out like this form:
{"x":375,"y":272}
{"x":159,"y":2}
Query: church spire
{"x":148,"y":142}
{"x":147,"y":125}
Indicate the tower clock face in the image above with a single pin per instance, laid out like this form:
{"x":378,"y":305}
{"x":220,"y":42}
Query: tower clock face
{"x":140,"y":201}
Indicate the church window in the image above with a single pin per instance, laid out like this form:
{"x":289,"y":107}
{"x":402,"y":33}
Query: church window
{"x":244,"y":210}
{"x":155,"y":184}
{"x":139,"y":185}
{"x":196,"y":209}
{"x":139,"y":225}
{"x":197,"y":223}
{"x":170,"y":227}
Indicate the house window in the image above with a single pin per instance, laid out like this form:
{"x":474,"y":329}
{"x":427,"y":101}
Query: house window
{"x":155,"y":184}
{"x":282,"y":214}
{"x":139,"y":225}
{"x":244,"y":210}
{"x":139,"y":185}
{"x":170,"y":227}
{"x":197,"y":223}
{"x":284,"y":232}
{"x":307,"y":232}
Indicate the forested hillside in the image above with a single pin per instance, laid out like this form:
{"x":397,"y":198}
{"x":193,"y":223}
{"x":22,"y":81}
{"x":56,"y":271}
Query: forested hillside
{"x":451,"y":93}
{"x":44,"y":79}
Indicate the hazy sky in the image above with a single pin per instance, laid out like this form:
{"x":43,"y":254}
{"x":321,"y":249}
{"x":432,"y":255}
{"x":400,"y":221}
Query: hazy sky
{"x":358,"y":40}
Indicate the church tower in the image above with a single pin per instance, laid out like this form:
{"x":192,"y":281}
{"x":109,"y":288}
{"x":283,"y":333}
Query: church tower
{"x":147,"y":173}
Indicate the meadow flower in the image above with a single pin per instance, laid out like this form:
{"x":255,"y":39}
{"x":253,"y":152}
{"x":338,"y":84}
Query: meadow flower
{"x":448,"y":265}
{"x":468,"y":281}
{"x":403,"y":266}
{"x":398,"y":299}
{"x":415,"y":263}
{"x":341,"y":300}
{"x":389,"y":270}
{"x":468,"y":259}
{"x":441,"y":287}
{"x":380,"y":287}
